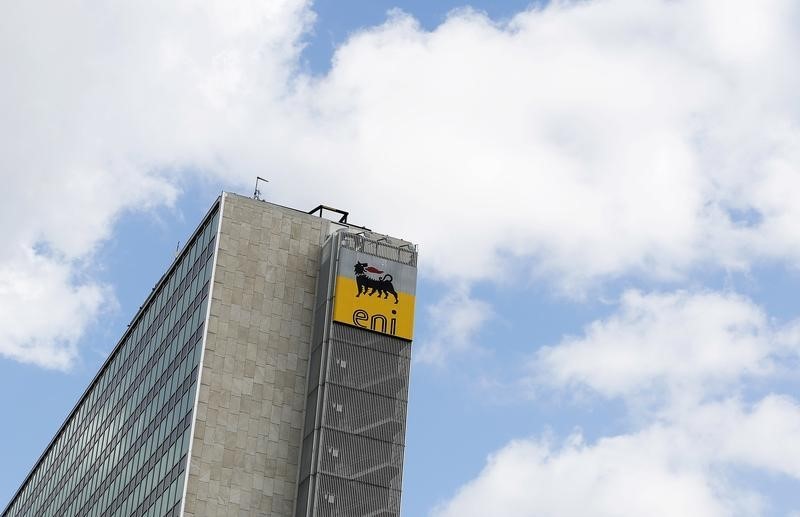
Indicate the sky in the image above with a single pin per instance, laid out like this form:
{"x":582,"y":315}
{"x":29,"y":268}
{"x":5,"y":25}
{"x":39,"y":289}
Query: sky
{"x":603,"y":192}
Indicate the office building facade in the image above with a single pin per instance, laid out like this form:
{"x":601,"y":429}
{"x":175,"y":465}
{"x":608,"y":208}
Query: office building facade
{"x":266,"y":374}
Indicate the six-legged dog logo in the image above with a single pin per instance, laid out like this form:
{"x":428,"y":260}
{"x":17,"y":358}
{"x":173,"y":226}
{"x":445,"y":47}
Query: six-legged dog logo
{"x":369,"y":285}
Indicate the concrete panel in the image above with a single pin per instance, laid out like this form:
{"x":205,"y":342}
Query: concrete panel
{"x":247,"y":435}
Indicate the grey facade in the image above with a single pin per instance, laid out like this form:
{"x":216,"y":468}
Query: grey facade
{"x":206,"y":406}
{"x":246,"y":445}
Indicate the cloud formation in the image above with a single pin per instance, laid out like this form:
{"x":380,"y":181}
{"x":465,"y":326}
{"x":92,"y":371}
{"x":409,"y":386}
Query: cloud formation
{"x":680,"y":341}
{"x":591,"y":139}
{"x":666,"y":469}
{"x":583,"y":140}
{"x":457,"y":317}
{"x":48,"y":314}
{"x":686,"y":447}
{"x":106,"y":108}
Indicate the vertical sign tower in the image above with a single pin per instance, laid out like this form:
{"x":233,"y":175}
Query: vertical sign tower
{"x":354,"y":432}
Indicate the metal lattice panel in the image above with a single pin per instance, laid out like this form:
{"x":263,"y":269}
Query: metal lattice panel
{"x":361,"y":459}
{"x":338,"y":497}
{"x":365,"y":338}
{"x":368,"y":369}
{"x":364,"y":414}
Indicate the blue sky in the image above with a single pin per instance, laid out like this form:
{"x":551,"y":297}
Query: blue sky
{"x":603,"y":192}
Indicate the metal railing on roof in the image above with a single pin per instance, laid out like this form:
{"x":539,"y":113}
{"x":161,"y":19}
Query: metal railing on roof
{"x":383,"y":247}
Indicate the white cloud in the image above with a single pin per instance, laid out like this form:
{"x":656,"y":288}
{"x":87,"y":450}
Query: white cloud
{"x":678,"y":467}
{"x":596,"y":138}
{"x":457,"y":317}
{"x":620,"y":476}
{"x":762,"y":437}
{"x":104,"y":105}
{"x":687,"y":343}
{"x":588,"y":139}
{"x":685,"y":452}
{"x":45,"y":311}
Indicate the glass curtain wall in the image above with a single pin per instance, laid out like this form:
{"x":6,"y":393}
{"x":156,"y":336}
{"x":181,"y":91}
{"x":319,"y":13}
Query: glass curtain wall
{"x":122,"y":451}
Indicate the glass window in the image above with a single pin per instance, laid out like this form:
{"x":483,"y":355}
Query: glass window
{"x":106,"y":458}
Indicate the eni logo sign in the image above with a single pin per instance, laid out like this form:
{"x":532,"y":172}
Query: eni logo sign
{"x":369,"y":300}
{"x":383,"y":285}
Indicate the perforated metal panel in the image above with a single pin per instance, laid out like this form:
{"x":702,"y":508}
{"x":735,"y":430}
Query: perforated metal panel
{"x":361,"y":459}
{"x":368,"y":339}
{"x":337,"y":497}
{"x":364,"y":414}
{"x":368,"y":369}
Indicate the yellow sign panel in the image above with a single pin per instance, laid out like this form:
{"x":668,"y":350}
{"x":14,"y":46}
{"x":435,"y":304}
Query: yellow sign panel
{"x":373,"y":309}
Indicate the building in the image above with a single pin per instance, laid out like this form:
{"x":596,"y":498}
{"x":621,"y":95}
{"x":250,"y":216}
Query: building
{"x":266,"y":374}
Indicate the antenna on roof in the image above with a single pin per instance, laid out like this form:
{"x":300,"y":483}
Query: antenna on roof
{"x":256,"y":192}
{"x":177,"y":249}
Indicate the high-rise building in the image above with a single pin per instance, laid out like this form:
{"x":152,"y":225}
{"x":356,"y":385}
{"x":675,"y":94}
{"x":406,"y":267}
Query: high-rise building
{"x":266,"y":374}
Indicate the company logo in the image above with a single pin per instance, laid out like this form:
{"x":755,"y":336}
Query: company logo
{"x":370,"y":298}
{"x":369,"y":285}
